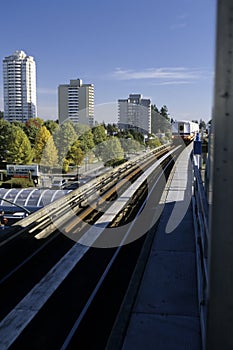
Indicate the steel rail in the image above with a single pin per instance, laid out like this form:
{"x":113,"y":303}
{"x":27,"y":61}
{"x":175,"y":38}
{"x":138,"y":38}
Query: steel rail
{"x":79,"y":195}
{"x":48,"y":226}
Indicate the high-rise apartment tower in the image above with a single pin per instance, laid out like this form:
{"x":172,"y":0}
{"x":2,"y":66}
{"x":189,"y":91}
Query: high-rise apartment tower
{"x":19,"y":85}
{"x":135,"y":112}
{"x":76,"y":102}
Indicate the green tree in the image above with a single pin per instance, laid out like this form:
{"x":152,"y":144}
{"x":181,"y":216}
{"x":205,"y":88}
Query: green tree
{"x":130,"y":145}
{"x":5,"y":129}
{"x":154,"y":142}
{"x":64,"y":138}
{"x":1,"y":115}
{"x":87,"y":141}
{"x":112,"y":150}
{"x":75,"y":154}
{"x":18,"y":146}
{"x":202,"y":125}
{"x":112,"y":129}
{"x":18,"y":123}
{"x":164,"y":112}
{"x":51,"y":125}
{"x":31,"y":128}
{"x":81,"y":129}
{"x":154,"y":108}
{"x":137,"y":135}
{"x":99,"y":134}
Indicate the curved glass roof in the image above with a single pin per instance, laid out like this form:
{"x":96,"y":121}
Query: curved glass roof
{"x":31,"y":199}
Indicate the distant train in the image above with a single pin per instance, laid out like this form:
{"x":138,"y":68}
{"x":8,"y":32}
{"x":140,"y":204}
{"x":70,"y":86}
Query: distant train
{"x":184,"y":130}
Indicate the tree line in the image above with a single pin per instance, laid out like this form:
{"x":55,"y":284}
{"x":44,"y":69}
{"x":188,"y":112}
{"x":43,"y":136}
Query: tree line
{"x":52,"y":145}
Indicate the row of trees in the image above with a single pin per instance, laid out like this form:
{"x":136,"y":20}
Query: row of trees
{"x":53,"y":145}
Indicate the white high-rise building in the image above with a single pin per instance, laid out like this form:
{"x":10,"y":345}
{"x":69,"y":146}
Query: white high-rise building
{"x":19,"y":85}
{"x":135,"y":112}
{"x":76,"y":102}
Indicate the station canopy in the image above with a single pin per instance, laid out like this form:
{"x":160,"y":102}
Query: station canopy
{"x":31,"y":199}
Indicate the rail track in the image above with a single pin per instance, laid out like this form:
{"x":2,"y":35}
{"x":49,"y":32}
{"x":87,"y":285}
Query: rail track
{"x":65,"y":270}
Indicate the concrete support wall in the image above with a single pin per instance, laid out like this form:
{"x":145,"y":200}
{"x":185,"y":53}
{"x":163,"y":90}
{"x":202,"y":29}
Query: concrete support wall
{"x":220,"y":306}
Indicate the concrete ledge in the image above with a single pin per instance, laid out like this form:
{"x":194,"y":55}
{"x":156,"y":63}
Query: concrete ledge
{"x":156,"y":332}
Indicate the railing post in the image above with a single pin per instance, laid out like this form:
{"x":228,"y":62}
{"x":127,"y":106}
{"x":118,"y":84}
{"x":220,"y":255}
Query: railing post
{"x":201,"y":229}
{"x":197,"y":150}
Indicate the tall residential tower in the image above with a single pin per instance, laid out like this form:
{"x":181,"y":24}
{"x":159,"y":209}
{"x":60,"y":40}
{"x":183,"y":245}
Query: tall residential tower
{"x":135,"y":112}
{"x":19,"y":80}
{"x":76,"y":102}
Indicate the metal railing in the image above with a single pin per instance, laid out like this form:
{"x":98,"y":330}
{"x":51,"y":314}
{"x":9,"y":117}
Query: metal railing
{"x":201,"y":228}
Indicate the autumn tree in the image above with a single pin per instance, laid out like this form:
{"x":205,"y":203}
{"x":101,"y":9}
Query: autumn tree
{"x":42,"y":137}
{"x":31,"y":127}
{"x":75,"y":154}
{"x":49,"y":156}
{"x":18,"y":146}
{"x":45,"y":149}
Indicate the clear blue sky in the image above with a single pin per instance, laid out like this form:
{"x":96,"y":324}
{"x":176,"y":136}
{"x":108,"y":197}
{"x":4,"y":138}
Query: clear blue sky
{"x":163,"y":49}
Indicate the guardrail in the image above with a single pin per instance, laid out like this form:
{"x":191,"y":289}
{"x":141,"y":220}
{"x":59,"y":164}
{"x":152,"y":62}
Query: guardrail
{"x":201,"y":228}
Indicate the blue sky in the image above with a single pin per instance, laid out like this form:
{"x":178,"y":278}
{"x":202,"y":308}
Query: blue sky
{"x":163,"y":49}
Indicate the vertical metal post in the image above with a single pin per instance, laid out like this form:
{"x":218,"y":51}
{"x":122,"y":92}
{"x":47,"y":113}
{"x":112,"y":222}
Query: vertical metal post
{"x":197,"y":150}
{"x":220,"y":295}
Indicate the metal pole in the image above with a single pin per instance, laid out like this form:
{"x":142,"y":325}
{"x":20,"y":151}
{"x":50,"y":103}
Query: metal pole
{"x":220,"y":295}
{"x":15,"y":204}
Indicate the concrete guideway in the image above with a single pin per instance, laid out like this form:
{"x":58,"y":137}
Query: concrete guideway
{"x":21,"y":315}
{"x":165,"y":314}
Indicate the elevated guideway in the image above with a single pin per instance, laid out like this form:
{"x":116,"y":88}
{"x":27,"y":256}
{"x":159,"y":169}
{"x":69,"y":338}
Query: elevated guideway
{"x":165,"y":313}
{"x":148,"y":324}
